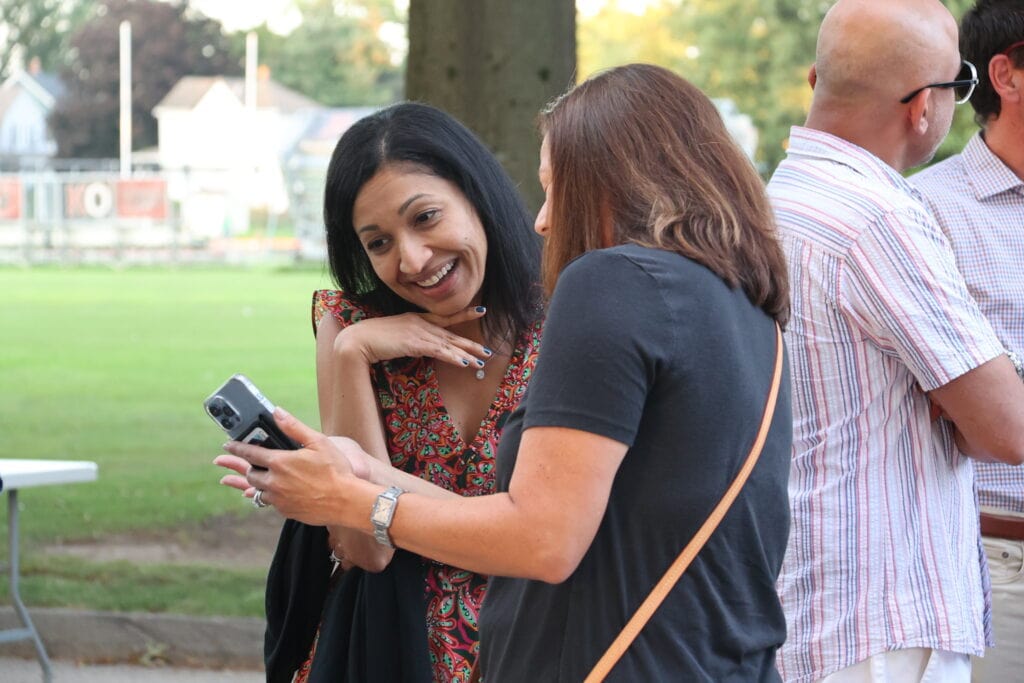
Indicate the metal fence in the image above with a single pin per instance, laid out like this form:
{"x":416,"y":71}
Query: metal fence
{"x":74,"y":214}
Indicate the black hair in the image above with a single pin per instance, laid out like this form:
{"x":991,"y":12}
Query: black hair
{"x":987,"y":29}
{"x":438,"y":144}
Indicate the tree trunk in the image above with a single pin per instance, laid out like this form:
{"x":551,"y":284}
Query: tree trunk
{"x":493,"y":64}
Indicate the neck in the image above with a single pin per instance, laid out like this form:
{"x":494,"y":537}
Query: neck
{"x":1004,"y":136}
{"x":881,"y":140}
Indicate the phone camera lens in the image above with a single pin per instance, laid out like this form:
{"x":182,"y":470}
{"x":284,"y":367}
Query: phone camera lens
{"x":215,"y":409}
{"x":228,"y":411}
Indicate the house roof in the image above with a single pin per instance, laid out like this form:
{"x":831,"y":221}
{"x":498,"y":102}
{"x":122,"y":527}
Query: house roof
{"x":51,"y":83}
{"x":46,"y":88}
{"x":187,"y":93}
{"x":324,"y":129}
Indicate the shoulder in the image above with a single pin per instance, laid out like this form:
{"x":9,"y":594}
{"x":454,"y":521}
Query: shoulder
{"x":616,"y":266}
{"x":626,"y":288}
{"x":940,"y":178}
{"x":344,"y":308}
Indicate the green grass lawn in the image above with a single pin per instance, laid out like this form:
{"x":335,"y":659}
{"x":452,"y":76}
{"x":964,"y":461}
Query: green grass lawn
{"x":112,"y":366}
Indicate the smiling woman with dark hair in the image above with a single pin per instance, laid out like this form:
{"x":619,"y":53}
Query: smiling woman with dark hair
{"x":423,"y":351}
{"x":661,"y":385}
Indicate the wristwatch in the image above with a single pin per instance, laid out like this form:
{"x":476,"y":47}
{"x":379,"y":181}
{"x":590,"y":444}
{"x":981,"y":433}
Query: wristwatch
{"x":1018,"y":365}
{"x":382,"y":514}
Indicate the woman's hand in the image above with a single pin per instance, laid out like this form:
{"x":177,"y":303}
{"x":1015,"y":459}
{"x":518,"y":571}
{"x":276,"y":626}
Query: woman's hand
{"x":414,"y":335}
{"x":357,"y":460}
{"x":302,"y":484}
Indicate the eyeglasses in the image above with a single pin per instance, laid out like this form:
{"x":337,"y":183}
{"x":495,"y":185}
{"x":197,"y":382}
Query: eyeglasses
{"x":963,"y":86}
{"x":1007,"y":51}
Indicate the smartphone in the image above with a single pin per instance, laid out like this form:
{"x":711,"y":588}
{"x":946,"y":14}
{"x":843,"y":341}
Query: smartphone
{"x":245,"y":414}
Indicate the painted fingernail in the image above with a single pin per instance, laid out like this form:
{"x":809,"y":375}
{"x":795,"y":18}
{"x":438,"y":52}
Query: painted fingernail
{"x":488,"y":352}
{"x":465,"y":362}
{"x":480,"y":363}
{"x":481,"y":309}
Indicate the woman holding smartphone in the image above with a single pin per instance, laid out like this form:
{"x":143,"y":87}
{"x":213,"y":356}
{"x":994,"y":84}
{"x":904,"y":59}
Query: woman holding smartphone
{"x":423,"y":352}
{"x":660,"y":347}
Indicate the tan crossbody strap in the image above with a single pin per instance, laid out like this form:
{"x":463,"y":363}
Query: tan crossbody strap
{"x":671,"y":577}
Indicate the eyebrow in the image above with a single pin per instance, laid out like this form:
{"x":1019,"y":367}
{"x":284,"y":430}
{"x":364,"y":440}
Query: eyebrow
{"x":410,"y":200}
{"x":401,"y":210}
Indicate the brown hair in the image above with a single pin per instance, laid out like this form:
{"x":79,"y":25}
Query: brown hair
{"x":641,"y":152}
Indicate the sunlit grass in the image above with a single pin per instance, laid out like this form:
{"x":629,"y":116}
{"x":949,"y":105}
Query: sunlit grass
{"x":113,"y":366}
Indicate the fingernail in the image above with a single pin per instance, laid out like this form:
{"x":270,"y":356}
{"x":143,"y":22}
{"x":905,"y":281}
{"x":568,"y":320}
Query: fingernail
{"x":481,"y":309}
{"x":225,"y":445}
{"x":465,"y":362}
{"x":488,"y":352}
{"x":480,"y":363}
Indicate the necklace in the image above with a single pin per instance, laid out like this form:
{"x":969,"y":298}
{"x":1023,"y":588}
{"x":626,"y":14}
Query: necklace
{"x":480,"y":373}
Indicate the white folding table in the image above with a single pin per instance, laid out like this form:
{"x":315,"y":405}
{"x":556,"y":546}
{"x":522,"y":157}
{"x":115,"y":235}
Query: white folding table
{"x":21,"y":474}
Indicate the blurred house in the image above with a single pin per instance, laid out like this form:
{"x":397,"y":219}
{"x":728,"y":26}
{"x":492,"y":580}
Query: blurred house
{"x":305,"y":169}
{"x":222,"y":155}
{"x":26,"y":99}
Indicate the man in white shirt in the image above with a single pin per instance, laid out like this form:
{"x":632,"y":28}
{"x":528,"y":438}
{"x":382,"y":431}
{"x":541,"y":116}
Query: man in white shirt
{"x":884,"y":576}
{"x":977,"y":198}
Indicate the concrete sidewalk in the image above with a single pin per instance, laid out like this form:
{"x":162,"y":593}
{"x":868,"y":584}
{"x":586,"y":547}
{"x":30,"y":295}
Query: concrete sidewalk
{"x":146,"y":647}
{"x":27,"y":671}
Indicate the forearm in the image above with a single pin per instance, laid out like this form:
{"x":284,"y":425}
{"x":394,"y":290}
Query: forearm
{"x":359,"y":548}
{"x":383,"y":474}
{"x":348,"y":402}
{"x":485,"y":534}
{"x":969,"y":449}
{"x":986,"y":405}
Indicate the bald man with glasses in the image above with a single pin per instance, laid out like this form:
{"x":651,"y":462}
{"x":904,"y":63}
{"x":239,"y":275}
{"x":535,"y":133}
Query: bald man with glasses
{"x":884,"y":578}
{"x":977,"y":197}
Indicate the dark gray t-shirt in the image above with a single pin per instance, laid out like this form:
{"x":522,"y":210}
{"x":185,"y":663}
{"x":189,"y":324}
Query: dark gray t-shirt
{"x":655,"y":351}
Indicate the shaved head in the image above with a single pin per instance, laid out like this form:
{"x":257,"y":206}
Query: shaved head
{"x":884,"y":49}
{"x":873,"y":53}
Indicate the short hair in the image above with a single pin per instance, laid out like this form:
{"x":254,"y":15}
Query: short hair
{"x":643,"y":149}
{"x":987,"y":29}
{"x":421,"y":135}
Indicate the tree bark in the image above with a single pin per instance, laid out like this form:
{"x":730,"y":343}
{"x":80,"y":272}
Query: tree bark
{"x":494,"y":64}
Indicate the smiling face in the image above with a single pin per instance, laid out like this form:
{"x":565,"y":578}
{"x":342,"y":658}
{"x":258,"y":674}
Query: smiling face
{"x":423,"y":238}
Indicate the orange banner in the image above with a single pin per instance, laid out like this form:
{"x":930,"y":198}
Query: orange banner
{"x":142,"y":199}
{"x":10,"y":198}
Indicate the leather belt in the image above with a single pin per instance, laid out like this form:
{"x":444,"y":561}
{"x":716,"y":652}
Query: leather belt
{"x":1002,"y":527}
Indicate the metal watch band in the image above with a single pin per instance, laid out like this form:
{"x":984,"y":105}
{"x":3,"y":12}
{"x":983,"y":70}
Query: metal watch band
{"x":1018,"y":365}
{"x":382,"y":514}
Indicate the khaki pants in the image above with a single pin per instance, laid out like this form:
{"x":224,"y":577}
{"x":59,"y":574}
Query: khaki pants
{"x":1004,"y":662}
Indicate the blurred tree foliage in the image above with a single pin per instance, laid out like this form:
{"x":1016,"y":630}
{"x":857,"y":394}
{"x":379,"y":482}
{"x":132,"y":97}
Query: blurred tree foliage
{"x":337,"y":56}
{"x":37,"y":29}
{"x":755,"y":52}
{"x":168,"y":41}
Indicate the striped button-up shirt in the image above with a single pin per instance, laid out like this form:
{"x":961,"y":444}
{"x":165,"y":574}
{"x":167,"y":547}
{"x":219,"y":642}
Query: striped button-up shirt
{"x":979,"y":204}
{"x":884,"y":551}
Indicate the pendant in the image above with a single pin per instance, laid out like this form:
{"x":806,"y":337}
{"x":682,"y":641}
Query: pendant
{"x":480,"y":373}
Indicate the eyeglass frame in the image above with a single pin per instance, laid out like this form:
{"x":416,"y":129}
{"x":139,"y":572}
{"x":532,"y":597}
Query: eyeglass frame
{"x":1007,"y":51}
{"x":972,"y":83}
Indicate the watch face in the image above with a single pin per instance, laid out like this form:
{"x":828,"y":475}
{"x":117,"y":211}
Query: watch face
{"x":382,"y":511}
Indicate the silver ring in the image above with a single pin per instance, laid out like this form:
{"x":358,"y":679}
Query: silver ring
{"x":257,"y":499}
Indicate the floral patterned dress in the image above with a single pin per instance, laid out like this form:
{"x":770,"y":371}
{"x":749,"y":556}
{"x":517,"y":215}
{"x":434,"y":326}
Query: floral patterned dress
{"x":423,"y":440}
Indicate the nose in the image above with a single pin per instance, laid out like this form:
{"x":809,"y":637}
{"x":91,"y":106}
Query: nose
{"x":540,"y":226}
{"x":413,"y":255}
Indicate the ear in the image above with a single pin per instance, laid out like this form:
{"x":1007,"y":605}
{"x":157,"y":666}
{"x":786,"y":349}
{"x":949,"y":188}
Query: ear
{"x":812,"y":76}
{"x":1005,"y":79}
{"x":917,"y":111}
